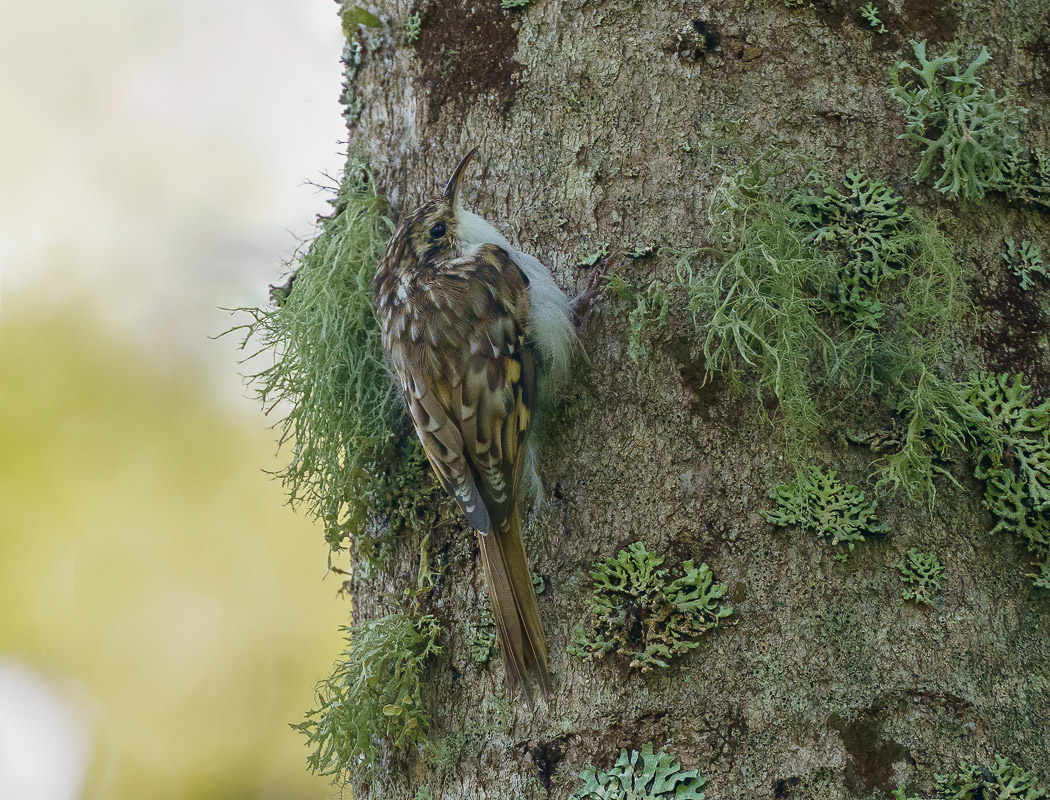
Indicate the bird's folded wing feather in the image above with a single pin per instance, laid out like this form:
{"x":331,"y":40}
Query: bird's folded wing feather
{"x":470,"y":384}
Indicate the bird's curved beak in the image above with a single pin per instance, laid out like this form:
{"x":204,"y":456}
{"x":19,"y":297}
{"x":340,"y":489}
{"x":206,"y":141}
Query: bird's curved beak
{"x":452,"y":188}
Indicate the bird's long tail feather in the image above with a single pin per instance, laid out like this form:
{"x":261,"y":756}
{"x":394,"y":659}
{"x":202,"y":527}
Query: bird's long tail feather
{"x":515,"y":610}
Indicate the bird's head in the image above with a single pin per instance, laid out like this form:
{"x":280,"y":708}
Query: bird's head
{"x":431,"y":232}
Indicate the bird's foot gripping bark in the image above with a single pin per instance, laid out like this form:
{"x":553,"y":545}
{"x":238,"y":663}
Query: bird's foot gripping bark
{"x":583,"y":302}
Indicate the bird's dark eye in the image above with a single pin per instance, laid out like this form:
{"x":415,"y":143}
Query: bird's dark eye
{"x":438,"y":231}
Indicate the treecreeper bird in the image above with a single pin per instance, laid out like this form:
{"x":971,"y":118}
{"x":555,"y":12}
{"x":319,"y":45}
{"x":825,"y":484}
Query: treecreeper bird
{"x":479,"y":334}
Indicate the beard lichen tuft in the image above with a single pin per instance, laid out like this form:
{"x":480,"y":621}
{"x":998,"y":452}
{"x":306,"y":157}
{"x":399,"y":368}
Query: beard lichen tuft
{"x":329,"y":379}
{"x":372,"y":699}
{"x":831,"y":295}
{"x":936,"y":420}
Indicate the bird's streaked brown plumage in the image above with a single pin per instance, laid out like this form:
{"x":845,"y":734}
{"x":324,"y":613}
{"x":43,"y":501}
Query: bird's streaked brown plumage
{"x":459,"y":327}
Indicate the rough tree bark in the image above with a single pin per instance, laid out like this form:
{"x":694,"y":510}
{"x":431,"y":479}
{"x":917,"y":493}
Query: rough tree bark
{"x":592,"y":117}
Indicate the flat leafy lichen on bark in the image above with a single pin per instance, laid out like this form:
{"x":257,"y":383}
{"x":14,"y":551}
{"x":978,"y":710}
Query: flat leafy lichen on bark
{"x":641,"y":776}
{"x":817,"y":501}
{"x":1013,"y":459}
{"x":1025,"y":261}
{"x":638,"y":611}
{"x":1001,"y":779}
{"x":648,"y":313}
{"x":868,"y":221}
{"x":922,"y":576}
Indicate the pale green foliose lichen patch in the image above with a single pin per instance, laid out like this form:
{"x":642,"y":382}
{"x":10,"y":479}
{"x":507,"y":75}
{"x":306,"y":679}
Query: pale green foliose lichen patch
{"x":1025,"y":261}
{"x":923,"y":577}
{"x":413,"y":26}
{"x":641,"y":776}
{"x":870,"y":12}
{"x":638,"y":611}
{"x":1001,"y":780}
{"x":650,"y":304}
{"x":1012,"y":457}
{"x":818,"y":501}
{"x":869,"y":224}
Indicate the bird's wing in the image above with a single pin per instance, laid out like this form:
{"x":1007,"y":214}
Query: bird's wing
{"x":471,"y":383}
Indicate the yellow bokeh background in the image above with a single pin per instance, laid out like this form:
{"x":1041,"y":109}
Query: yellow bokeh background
{"x":150,"y":565}
{"x":155,"y":165}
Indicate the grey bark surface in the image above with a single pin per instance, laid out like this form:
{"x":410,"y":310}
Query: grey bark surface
{"x":595,"y":121}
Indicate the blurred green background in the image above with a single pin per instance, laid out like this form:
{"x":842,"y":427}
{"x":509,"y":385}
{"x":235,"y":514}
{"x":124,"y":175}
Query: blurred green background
{"x":163,"y":614}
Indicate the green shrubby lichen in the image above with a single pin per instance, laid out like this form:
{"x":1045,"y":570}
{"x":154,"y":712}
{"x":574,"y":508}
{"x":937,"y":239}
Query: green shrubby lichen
{"x":372,"y":699}
{"x":401,"y":499}
{"x":637,"y":610}
{"x":641,"y":776}
{"x":1025,"y":261}
{"x":329,"y":379}
{"x":762,"y":307}
{"x":817,"y":501}
{"x":1002,"y":780}
{"x":969,"y":136}
{"x":823,"y":291}
{"x":922,"y":576}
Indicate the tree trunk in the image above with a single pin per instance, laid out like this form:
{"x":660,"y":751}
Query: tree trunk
{"x":602,"y":127}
